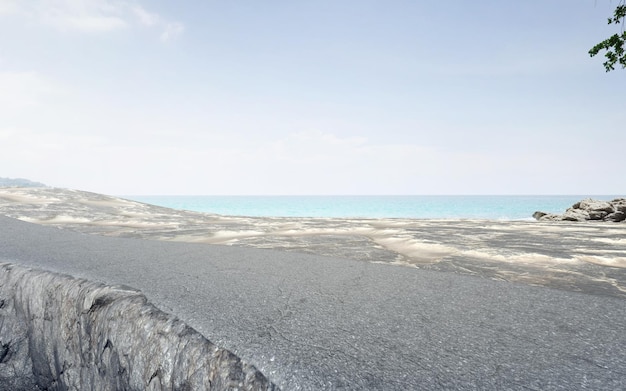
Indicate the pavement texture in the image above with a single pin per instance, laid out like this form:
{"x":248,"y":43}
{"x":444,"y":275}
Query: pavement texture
{"x":310,"y":322}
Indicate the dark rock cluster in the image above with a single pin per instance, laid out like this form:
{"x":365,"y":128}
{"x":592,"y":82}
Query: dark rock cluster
{"x":589,"y":210}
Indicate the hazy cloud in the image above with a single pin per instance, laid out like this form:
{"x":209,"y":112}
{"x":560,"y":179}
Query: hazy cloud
{"x":78,"y":15}
{"x":172,"y":30}
{"x":301,"y":163}
{"x":20,"y":90}
{"x":92,"y":16}
{"x":145,"y":17}
{"x":8,"y":7}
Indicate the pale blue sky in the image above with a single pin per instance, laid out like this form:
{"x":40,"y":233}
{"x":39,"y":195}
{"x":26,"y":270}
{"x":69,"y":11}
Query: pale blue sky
{"x":311,"y":97}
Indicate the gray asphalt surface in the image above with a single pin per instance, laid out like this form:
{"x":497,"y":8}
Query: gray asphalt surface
{"x":311,"y":322}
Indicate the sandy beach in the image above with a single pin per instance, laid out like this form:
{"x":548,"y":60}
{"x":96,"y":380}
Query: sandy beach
{"x":354,"y":304}
{"x":583,"y":257}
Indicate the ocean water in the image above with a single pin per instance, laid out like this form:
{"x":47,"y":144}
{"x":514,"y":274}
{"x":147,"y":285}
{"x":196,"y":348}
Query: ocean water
{"x":421,"y":207}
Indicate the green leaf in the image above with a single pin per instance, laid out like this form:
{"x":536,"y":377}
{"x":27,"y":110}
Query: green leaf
{"x":614,"y":45}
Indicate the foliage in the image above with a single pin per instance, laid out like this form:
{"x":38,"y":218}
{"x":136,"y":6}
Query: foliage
{"x":614,"y":45}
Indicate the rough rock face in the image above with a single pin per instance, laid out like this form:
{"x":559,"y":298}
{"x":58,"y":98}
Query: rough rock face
{"x":589,"y":209}
{"x":62,"y":333}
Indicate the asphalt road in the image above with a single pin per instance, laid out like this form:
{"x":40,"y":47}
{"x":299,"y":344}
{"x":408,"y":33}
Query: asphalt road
{"x":310,"y":322}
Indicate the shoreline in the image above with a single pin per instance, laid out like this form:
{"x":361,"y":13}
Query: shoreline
{"x":451,"y":207}
{"x":583,"y":257}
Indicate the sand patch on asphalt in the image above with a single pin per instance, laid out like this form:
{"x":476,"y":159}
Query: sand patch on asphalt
{"x":604,"y":261}
{"x":518,"y":258}
{"x":416,"y":251}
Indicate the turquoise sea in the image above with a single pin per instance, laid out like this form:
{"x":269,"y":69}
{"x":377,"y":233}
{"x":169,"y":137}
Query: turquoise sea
{"x":436,"y":207}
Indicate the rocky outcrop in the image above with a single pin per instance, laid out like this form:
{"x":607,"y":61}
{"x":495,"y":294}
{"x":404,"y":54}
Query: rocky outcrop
{"x":62,"y":333}
{"x":589,"y":209}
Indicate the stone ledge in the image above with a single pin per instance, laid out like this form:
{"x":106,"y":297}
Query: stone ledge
{"x":58,"y":332}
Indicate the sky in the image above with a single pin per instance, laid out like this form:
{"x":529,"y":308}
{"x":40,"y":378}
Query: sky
{"x":324,"y":97}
